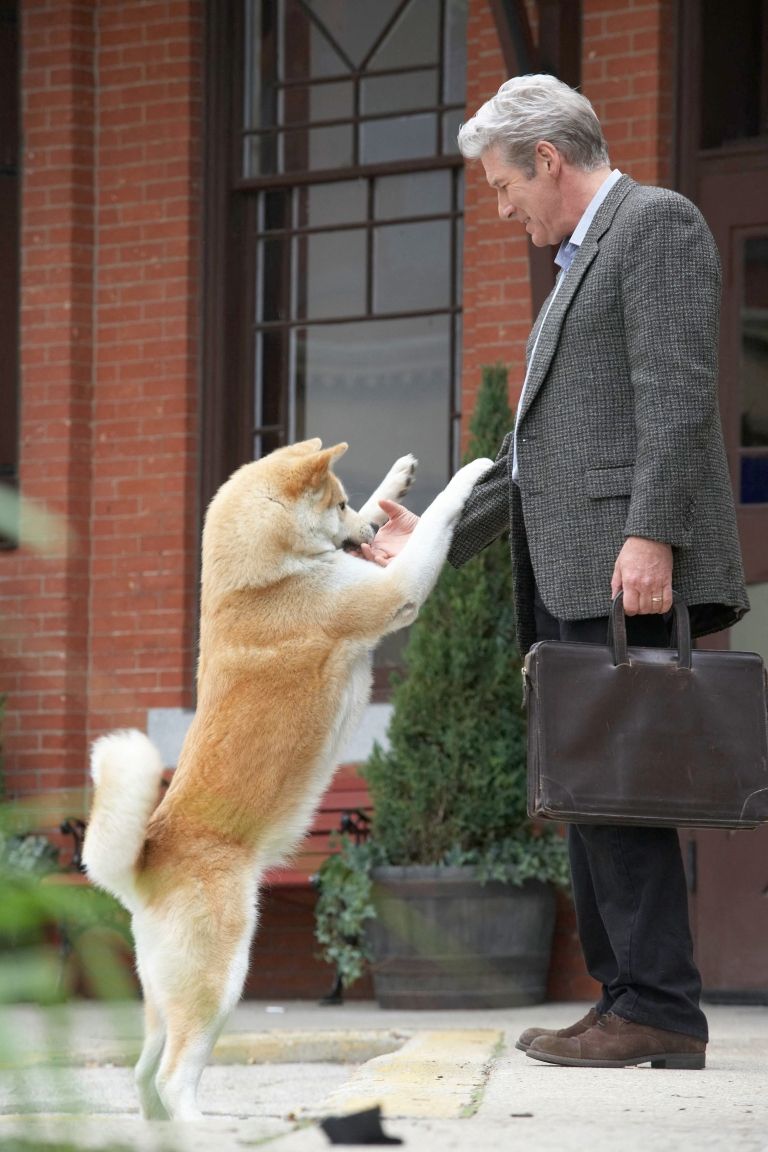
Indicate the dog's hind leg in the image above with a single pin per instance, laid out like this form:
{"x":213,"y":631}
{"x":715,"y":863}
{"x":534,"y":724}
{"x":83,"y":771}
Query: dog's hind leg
{"x":198,"y":979}
{"x":152,"y":1107}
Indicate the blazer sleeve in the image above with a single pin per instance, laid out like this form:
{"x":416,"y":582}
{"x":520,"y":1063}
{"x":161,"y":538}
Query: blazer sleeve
{"x":486,"y":512}
{"x":670,"y":288}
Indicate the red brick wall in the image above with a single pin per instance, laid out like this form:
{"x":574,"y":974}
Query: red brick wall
{"x":628,"y":64}
{"x":497,"y":295}
{"x":145,"y":516}
{"x":44,"y":589}
{"x":98,"y":624}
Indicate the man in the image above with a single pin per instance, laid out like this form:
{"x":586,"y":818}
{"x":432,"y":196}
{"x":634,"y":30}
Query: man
{"x":614,"y":478}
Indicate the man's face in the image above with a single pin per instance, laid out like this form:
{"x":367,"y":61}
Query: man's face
{"x":534,"y":201}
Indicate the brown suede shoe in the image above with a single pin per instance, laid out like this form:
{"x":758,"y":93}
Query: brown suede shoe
{"x":615,"y":1043}
{"x":527,"y":1038}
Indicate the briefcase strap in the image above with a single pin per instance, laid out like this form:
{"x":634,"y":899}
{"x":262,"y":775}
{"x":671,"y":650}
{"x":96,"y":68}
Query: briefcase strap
{"x":617,"y":631}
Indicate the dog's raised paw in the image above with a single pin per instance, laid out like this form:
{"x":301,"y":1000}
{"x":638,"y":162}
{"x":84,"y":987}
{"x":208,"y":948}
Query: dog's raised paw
{"x":401,"y":476}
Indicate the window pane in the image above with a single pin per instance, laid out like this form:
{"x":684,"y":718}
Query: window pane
{"x":331,"y":268}
{"x":305,"y":50}
{"x":277,"y":210}
{"x":302,"y":102}
{"x":459,"y":242}
{"x":412,"y":266}
{"x":754,"y":371}
{"x":296,"y":151}
{"x":413,"y":194}
{"x":413,"y":40}
{"x":451,"y":124}
{"x":733,"y":63}
{"x":354,"y":26}
{"x":754,"y":479}
{"x":274,"y":275}
{"x":271,"y":361}
{"x":403,"y":91}
{"x":260,"y":155}
{"x":340,"y":202}
{"x":455,"y":58}
{"x":317,"y":149}
{"x":383,"y":387}
{"x":402,"y":138}
{"x":754,"y":344}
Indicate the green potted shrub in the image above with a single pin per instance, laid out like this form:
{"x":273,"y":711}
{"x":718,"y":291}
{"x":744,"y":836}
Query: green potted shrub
{"x":452,"y":896}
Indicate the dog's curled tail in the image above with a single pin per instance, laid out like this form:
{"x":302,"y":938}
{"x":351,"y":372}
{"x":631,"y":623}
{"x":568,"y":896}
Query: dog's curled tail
{"x":126,"y":769}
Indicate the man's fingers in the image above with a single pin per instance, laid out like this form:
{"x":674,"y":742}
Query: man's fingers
{"x":378,"y":556}
{"x":392,"y":508}
{"x":631,"y":602}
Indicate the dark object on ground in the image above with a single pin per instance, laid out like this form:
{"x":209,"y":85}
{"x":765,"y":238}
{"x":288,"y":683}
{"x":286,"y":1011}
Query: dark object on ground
{"x":358,"y":1128}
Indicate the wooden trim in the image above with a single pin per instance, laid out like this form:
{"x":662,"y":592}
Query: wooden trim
{"x":515,"y":37}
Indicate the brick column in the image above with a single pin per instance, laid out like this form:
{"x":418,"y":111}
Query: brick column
{"x":45,"y":584}
{"x":145,"y":513}
{"x":496,"y":291}
{"x":628,"y":72}
{"x":97,"y":618}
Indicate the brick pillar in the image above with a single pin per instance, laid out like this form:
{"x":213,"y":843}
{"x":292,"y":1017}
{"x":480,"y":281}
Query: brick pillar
{"x":628,"y":72}
{"x":97,"y":618}
{"x":496,"y":290}
{"x":45,"y":584}
{"x":145,"y":513}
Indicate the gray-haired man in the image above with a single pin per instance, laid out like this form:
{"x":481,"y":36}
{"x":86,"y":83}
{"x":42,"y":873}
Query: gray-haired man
{"x":614,"y":477}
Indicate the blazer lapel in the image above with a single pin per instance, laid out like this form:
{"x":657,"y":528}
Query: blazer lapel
{"x":551,"y":327}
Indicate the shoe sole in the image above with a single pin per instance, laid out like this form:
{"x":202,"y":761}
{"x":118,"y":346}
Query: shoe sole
{"x":687,"y":1060}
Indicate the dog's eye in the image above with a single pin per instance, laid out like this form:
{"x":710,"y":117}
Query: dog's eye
{"x":342,"y":506}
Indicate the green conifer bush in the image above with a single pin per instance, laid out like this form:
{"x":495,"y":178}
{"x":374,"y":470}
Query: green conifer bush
{"x":450,"y":788}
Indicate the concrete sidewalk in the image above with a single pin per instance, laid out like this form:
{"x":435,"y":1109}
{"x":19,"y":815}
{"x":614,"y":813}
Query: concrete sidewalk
{"x":446,"y":1080}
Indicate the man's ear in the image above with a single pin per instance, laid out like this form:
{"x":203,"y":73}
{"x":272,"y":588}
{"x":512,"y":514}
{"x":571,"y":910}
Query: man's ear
{"x":548,"y":156}
{"x":312,"y":471}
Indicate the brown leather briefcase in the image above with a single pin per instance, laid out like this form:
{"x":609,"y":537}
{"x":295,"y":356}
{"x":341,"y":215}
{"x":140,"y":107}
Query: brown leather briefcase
{"x":654,"y":736}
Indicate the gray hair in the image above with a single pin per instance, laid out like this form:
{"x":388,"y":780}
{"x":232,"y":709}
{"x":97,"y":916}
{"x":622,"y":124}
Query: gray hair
{"x":527,"y":109}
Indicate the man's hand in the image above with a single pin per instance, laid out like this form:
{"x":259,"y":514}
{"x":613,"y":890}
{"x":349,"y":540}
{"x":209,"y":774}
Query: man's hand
{"x":393,"y":536}
{"x":643,"y":571}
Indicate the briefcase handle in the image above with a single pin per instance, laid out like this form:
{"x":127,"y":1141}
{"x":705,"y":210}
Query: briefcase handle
{"x":617,"y":631}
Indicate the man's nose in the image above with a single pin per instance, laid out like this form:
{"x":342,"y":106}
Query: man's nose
{"x":505,"y":209}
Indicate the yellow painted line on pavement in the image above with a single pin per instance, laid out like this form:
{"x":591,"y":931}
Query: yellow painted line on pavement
{"x":440,"y":1075}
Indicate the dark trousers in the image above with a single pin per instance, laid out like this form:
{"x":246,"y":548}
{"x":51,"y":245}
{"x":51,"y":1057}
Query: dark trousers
{"x":629,"y":887}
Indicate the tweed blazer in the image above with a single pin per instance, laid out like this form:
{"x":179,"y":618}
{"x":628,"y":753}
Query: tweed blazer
{"x":619,"y":429}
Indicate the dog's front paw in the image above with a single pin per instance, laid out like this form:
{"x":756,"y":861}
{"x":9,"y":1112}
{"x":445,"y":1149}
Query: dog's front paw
{"x":399,"y":478}
{"x":466,"y":478}
{"x":453,"y":498}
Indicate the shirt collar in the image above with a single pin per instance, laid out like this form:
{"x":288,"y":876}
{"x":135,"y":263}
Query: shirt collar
{"x":570,"y":245}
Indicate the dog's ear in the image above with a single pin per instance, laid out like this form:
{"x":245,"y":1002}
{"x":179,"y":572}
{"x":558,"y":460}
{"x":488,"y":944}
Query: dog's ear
{"x":311,"y":472}
{"x":306,"y":447}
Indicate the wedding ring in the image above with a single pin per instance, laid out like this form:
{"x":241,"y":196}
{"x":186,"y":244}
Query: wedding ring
{"x":656,"y":599}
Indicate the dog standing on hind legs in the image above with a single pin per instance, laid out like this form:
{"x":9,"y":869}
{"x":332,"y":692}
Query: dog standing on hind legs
{"x":289,"y":620}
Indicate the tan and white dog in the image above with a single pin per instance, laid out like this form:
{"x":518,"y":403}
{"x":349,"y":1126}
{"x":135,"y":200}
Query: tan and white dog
{"x":288,"y":624}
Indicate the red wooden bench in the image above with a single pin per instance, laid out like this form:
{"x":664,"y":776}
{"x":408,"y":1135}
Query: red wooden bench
{"x":345,"y":807}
